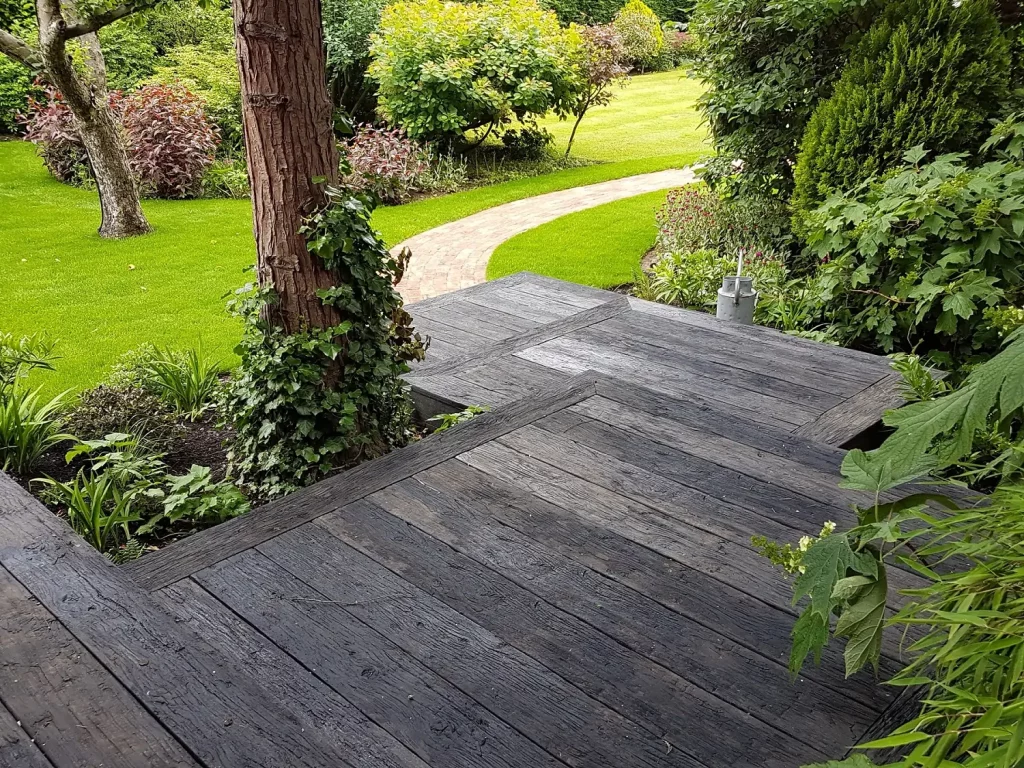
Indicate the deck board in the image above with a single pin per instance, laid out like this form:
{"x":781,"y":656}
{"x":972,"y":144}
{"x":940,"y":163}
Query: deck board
{"x":813,"y":389}
{"x":567,"y":581}
{"x":651,"y":695}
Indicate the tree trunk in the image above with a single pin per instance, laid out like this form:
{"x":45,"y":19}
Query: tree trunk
{"x":121,"y":211}
{"x":290,"y":149}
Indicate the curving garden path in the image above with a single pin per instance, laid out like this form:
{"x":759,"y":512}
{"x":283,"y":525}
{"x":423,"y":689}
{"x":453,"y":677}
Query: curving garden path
{"x":455,"y":255}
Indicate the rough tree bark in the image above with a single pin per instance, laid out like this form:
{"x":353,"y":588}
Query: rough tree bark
{"x":101,"y":134}
{"x":290,"y":148}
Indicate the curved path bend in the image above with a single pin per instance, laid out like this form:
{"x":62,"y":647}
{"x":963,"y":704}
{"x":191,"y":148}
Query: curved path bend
{"x":455,"y":255}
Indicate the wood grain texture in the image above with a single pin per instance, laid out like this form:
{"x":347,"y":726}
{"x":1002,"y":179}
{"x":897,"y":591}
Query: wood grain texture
{"x":17,"y":750}
{"x":722,"y":607}
{"x":578,"y":319}
{"x":433,"y":718}
{"x":692,"y":649}
{"x":538,"y":703}
{"x":689,"y":718}
{"x":465,"y":294}
{"x":207,"y":703}
{"x":73,"y":709}
{"x":844,"y":422}
{"x":185,"y":557}
{"x":320,"y":710}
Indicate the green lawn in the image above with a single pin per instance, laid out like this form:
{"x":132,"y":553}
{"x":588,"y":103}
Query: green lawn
{"x":653,"y":115}
{"x":600,"y":246}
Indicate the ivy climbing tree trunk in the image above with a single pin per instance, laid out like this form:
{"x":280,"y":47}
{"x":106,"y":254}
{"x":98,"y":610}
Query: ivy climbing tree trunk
{"x":101,"y":134}
{"x":290,"y":148}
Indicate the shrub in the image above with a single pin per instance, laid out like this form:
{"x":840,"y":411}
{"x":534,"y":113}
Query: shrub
{"x":384,"y":162}
{"x":51,"y":126}
{"x":29,"y":424}
{"x":603,"y":11}
{"x":695,"y":218}
{"x":129,"y":54}
{"x":643,"y":40}
{"x":16,"y":87}
{"x":106,"y":409}
{"x":766,"y":65}
{"x":928,"y":72}
{"x":190,"y":23}
{"x":526,"y":143}
{"x":911,"y":261}
{"x":171,"y":141}
{"x":187,"y":381}
{"x":348,"y":25}
{"x":227,"y":178}
{"x":444,"y":68}
{"x":195,"y":500}
{"x":212,"y":74}
{"x":306,"y":403}
{"x":98,"y":509}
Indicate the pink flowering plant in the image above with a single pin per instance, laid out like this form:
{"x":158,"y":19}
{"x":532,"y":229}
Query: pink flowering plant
{"x":385,"y":162}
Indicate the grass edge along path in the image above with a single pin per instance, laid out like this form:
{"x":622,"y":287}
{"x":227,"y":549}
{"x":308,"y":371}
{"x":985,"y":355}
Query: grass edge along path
{"x":600,"y":246}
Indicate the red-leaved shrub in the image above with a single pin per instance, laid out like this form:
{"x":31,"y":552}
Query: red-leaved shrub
{"x":171,"y":141}
{"x":384,"y":162}
{"x":50,"y":125}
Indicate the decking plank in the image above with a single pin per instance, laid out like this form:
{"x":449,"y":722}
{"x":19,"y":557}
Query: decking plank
{"x":17,"y":750}
{"x":477,"y":320}
{"x":529,"y":697}
{"x":204,"y":701}
{"x":809,"y":711}
{"x":691,"y":360}
{"x":678,"y":587}
{"x":507,"y":299}
{"x":647,"y":693}
{"x":562,"y":293}
{"x":553,"y":330}
{"x":421,"y":709}
{"x":319,"y":709}
{"x":187,"y":556}
{"x":864,"y":361}
{"x":73,"y":709}
{"x":743,"y":353}
{"x":845,"y":421}
{"x":572,"y":355}
{"x":462,"y":339}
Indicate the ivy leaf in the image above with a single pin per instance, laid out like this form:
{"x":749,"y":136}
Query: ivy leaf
{"x":960,"y":304}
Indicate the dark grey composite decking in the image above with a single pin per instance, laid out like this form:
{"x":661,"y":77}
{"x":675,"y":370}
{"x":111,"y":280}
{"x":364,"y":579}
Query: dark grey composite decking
{"x":565,"y":581}
{"x":500,"y":341}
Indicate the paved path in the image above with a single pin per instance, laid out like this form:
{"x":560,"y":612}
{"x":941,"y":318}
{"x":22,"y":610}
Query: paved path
{"x":455,"y":255}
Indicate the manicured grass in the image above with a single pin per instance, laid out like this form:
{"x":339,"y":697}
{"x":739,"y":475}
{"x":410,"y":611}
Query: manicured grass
{"x":653,"y":115}
{"x":61,"y":278}
{"x":600,"y":246}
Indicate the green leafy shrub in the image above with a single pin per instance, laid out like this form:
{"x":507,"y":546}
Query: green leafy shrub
{"x":187,"y":381}
{"x":972,"y":609}
{"x":766,"y":65}
{"x":212,"y":74}
{"x":227,"y":178}
{"x":643,"y":40}
{"x":15,"y":89}
{"x":189,"y":22}
{"x":694,"y":218}
{"x":97,"y":507}
{"x":129,"y":54}
{"x":195,"y":500}
{"x":928,"y":72}
{"x":444,"y":68}
{"x":306,"y":403}
{"x":348,"y":25}
{"x":526,"y":143}
{"x":911,"y":262}
{"x":603,"y":11}
{"x":451,"y":420}
{"x":30,"y":425}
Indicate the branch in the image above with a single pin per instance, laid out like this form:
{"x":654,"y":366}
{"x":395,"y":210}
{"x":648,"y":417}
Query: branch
{"x":100,"y":20}
{"x":19,"y":50}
